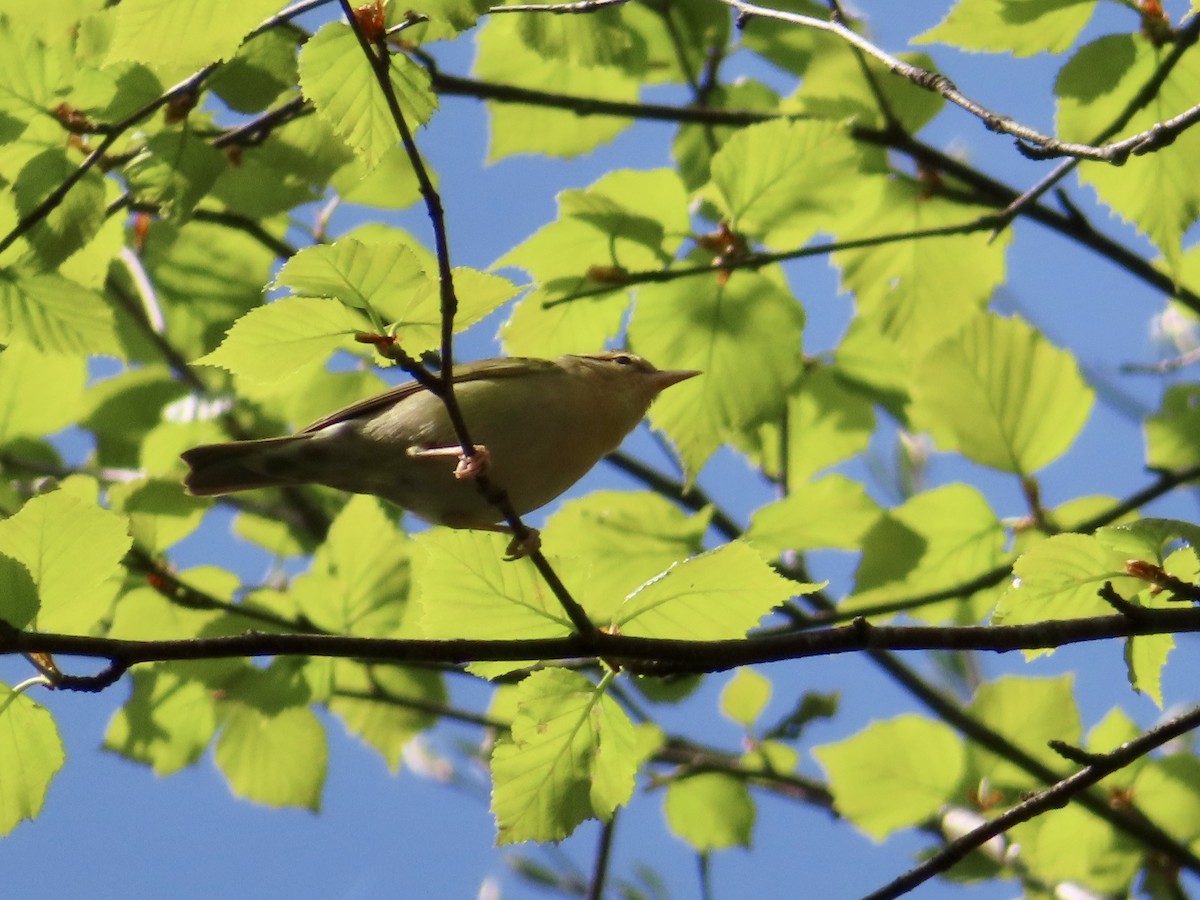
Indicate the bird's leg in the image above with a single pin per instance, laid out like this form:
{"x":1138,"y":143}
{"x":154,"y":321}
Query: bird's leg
{"x":520,"y":547}
{"x":517,"y":547}
{"x":468,"y":466}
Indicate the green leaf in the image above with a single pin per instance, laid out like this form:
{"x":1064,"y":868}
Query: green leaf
{"x":1146,"y":655}
{"x":31,"y":753}
{"x":206,"y":276}
{"x":337,"y":78}
{"x":786,"y":45}
{"x":612,"y":218}
{"x":270,"y":343}
{"x":826,"y":422}
{"x":262,"y":69}
{"x":617,"y":542}
{"x":54,"y":315}
{"x":572,"y":754}
{"x":811,"y":707}
{"x":873,"y":363}
{"x":917,"y":290}
{"x":1030,"y":712}
{"x":1154,"y":191}
{"x":625,"y":221}
{"x":745,"y":696}
{"x":174,"y":37}
{"x":175,"y":171}
{"x":718,"y":595}
{"x":1074,"y":846}
{"x":834,"y":87}
{"x":118,"y":410}
{"x":479,"y":294}
{"x":389,"y":184}
{"x":502,"y":57}
{"x":894,"y":774}
{"x":274,"y":759}
{"x":73,"y":222}
{"x":367,"y":276}
{"x":1002,"y":394}
{"x":367,"y":558}
{"x":464,"y":589}
{"x":145,"y":614}
{"x":277,"y":538}
{"x":385,"y":278}
{"x":71,"y":548}
{"x":1017,"y":26}
{"x":18,"y":593}
{"x":634,"y":220}
{"x":678,"y":45}
{"x":388,"y":727}
{"x":780,"y":182}
{"x":745,"y":335}
{"x":599,"y":39}
{"x":711,"y":811}
{"x":695,"y":143}
{"x":1173,"y":433}
{"x":1059,"y":578}
{"x":160,"y":513}
{"x":834,"y":511}
{"x":315,"y":392}
{"x":935,"y":540}
{"x":1151,"y":539}
{"x":446,"y":18}
{"x":166,"y":724}
{"x":39,"y":393}
{"x":29,"y":75}
{"x":1169,"y":787}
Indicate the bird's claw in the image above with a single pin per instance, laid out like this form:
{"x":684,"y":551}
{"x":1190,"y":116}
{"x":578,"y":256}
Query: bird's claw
{"x":467,"y":467}
{"x":474,"y":465}
{"x":520,"y":547}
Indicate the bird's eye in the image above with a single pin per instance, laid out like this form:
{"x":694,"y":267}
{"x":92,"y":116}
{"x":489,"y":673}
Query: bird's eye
{"x":623,"y":360}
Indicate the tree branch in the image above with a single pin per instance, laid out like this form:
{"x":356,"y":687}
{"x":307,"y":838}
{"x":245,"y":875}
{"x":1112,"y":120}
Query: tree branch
{"x":1030,"y":141}
{"x":1043,"y":801}
{"x":657,"y":656}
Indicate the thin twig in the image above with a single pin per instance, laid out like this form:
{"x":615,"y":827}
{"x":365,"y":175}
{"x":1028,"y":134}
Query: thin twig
{"x":112,"y":133}
{"x":994,"y":191}
{"x":1042,"y":801}
{"x":755,"y":261}
{"x":603,"y":856}
{"x":1030,"y":141}
{"x":1185,"y":38}
{"x":380,"y":61}
{"x":583,"y":6}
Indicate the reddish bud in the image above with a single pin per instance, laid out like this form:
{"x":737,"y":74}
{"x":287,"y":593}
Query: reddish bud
{"x":141,"y":229}
{"x":372,"y":20}
{"x":377,"y":341}
{"x":608,"y":274}
{"x":1146,"y":571}
{"x":72,"y":119}
{"x":179,"y":106}
{"x":1156,"y":26}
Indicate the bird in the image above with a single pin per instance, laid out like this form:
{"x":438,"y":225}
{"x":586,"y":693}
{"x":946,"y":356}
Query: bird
{"x":540,"y":426}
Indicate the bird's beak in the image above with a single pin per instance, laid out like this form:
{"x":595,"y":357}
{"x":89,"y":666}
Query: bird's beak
{"x":663,"y":380}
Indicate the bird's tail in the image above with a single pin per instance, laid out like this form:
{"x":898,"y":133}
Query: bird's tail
{"x":241,"y":465}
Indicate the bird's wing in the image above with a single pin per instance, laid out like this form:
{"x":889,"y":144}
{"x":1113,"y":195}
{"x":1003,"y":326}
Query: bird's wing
{"x":488,"y":368}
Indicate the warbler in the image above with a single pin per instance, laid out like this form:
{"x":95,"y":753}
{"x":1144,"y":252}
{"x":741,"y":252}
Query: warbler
{"x":540,"y":426}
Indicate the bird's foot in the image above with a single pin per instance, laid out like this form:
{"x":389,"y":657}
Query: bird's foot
{"x":519,"y":548}
{"x":468,"y":467}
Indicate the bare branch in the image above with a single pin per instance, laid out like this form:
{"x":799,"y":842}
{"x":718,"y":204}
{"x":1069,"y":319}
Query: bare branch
{"x":1030,"y":141}
{"x":1040,"y":802}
